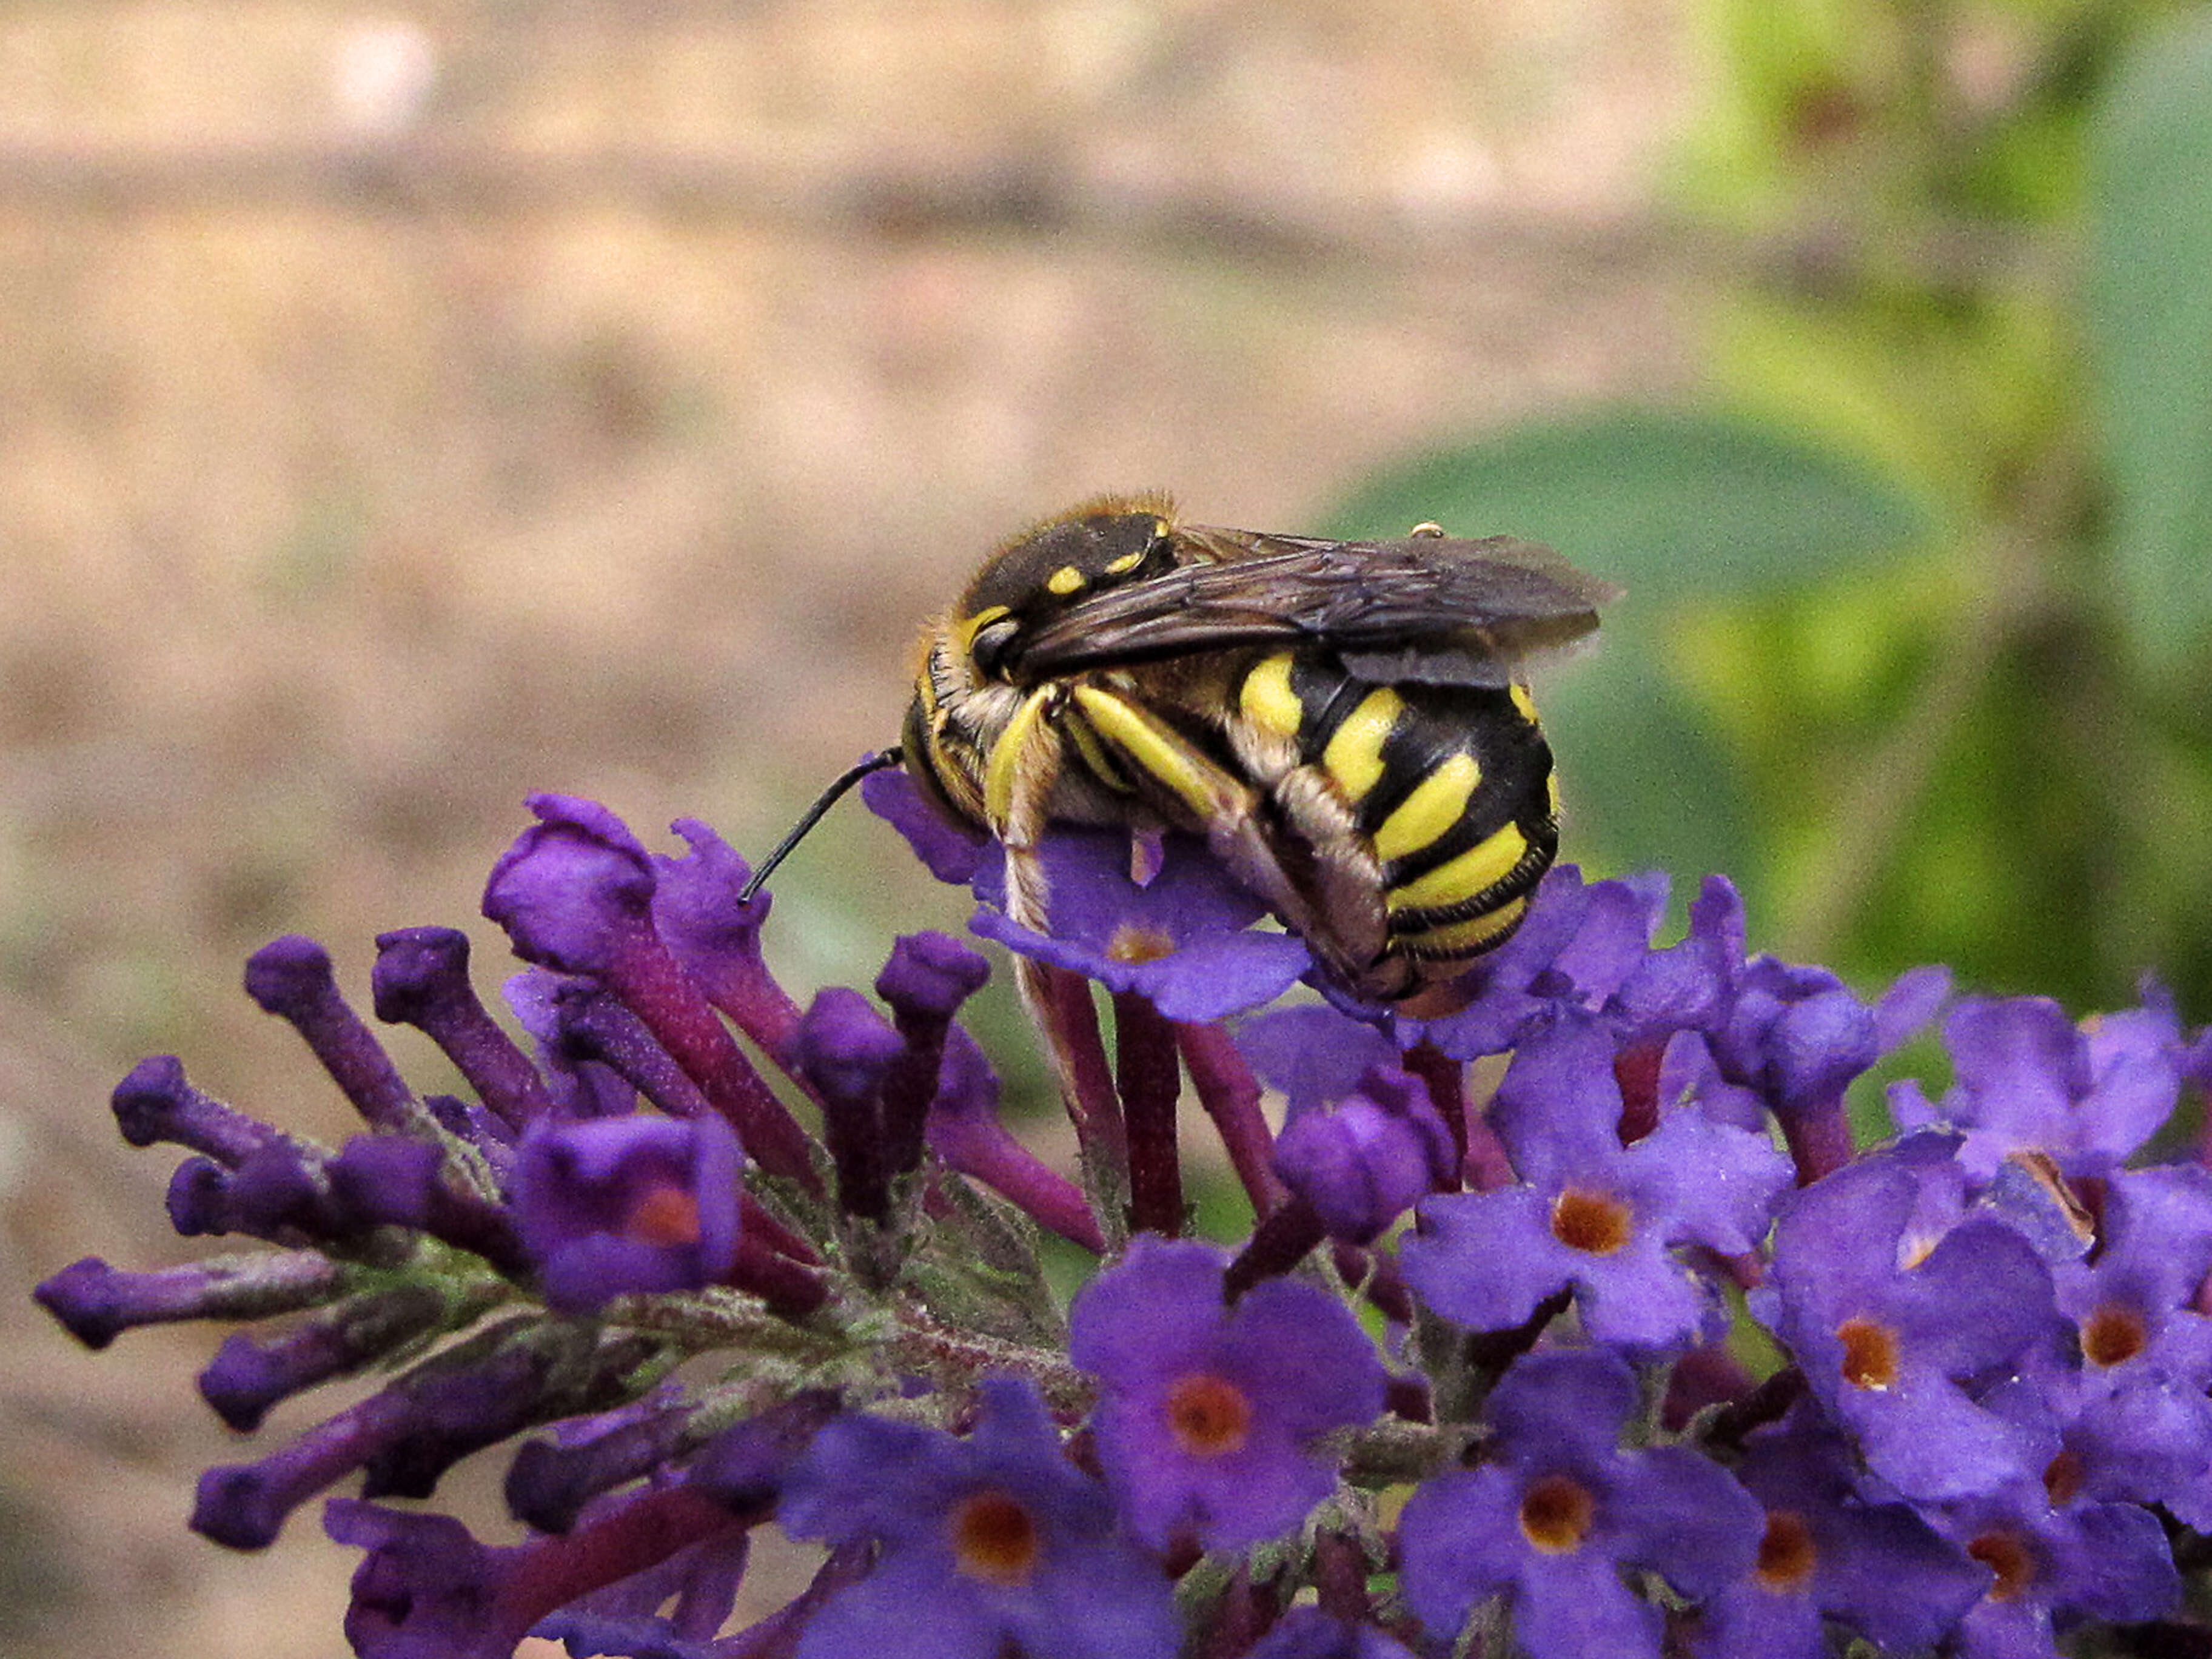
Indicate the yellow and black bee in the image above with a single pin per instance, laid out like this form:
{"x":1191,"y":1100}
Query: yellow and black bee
{"x":1344,"y":722}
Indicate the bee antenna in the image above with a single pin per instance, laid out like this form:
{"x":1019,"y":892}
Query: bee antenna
{"x":828,"y":799}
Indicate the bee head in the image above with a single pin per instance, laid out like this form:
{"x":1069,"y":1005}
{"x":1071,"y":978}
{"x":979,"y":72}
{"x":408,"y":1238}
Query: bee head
{"x":1046,"y":569}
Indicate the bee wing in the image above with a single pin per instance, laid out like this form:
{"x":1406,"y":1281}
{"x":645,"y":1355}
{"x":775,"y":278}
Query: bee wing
{"x":1424,"y":608}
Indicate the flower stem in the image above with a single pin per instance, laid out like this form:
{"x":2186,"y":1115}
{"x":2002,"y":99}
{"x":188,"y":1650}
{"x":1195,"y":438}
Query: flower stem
{"x":1819,"y":1138}
{"x":1283,"y":1238}
{"x":1150,"y":1081}
{"x":1230,"y":1095}
{"x":650,"y":981}
{"x":1446,"y":1080}
{"x":1059,"y":999}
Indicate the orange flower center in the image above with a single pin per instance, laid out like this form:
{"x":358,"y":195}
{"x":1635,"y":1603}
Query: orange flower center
{"x":2063,"y":1475}
{"x":2007,"y":1557}
{"x":1209,"y":1415}
{"x":1556,"y":1513}
{"x":665,"y":1215}
{"x":2112,"y":1334}
{"x":1593,"y":1223}
{"x":1869,"y":1354}
{"x":1139,"y":945}
{"x":1787,"y":1555}
{"x":994,"y":1539}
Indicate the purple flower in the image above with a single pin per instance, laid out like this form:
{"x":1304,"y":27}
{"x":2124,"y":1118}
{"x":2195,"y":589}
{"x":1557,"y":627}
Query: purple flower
{"x":96,"y":1303}
{"x":1589,"y":1213}
{"x":1794,"y":1037}
{"x":2141,"y":1440}
{"x":1575,"y":946}
{"x":716,"y":936}
{"x":1897,"y":1304}
{"x":576,"y":889}
{"x":1208,"y":1414}
{"x":580,"y":1084}
{"x":426,"y":1588}
{"x":846,"y":1051}
{"x":245,"y":1378}
{"x":2132,"y":1304}
{"x":619,"y":1205}
{"x":156,"y":1103}
{"x":405,"y":1182}
{"x":929,"y":975}
{"x":992,"y":1542}
{"x":402,"y":1438}
{"x":1799,"y":1036}
{"x":291,"y":978}
{"x":1312,"y":1053}
{"x":1361,"y":1161}
{"x":2052,"y":1565}
{"x":576,"y":893}
{"x":1179,"y":936}
{"x":1559,"y":1511}
{"x":1688,"y":1075}
{"x":1183,"y":940}
{"x":1829,"y":1552}
{"x":421,"y":978}
{"x":2031,"y":1081}
{"x":951,"y":852}
{"x":965,"y":1131}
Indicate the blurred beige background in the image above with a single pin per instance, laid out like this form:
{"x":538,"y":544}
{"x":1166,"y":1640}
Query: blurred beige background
{"x":402,"y":409}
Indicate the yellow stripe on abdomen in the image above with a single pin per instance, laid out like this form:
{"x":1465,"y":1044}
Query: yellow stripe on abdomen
{"x":1161,"y":753}
{"x":1458,"y":879}
{"x":1266,"y":698}
{"x":1468,"y":938}
{"x":1354,"y":755}
{"x":1435,"y":804}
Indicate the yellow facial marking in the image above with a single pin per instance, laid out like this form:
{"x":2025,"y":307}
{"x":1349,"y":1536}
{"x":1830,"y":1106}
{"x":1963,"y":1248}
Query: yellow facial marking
{"x":1434,"y":806}
{"x":1126,"y":563}
{"x":1486,"y":861}
{"x":1160,"y":753}
{"x":1065,"y":580}
{"x":1267,"y":700}
{"x":1464,"y":939}
{"x":999,"y":767}
{"x":1354,"y":755}
{"x":971,"y":626}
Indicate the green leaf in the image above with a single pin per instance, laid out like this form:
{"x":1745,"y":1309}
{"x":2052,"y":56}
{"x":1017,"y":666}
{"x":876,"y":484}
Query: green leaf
{"x":1669,"y":503}
{"x":2150,"y":326}
{"x":1673,"y":505}
{"x":1640,"y":774}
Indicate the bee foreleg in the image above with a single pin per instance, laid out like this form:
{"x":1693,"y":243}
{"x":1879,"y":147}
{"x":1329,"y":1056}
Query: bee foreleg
{"x":1020,"y":770}
{"x":1183,"y":779}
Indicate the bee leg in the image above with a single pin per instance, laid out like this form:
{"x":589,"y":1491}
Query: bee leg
{"x":1189,"y":784}
{"x":1023,"y":765}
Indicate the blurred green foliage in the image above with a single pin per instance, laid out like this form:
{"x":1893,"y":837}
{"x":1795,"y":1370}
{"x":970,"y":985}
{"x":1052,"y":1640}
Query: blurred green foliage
{"x":1920,"y":592}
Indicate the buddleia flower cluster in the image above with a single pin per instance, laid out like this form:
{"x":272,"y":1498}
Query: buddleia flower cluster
{"x":1574,"y":1323}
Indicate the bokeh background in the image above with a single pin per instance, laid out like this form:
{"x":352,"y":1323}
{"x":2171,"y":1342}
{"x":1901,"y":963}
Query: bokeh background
{"x":405,"y":408}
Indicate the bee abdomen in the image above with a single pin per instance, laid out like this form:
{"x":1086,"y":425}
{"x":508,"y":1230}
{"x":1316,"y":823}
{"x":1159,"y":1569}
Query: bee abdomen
{"x":1451,"y":785}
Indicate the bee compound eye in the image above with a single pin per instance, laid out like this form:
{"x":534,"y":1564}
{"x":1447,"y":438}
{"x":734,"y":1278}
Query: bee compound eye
{"x":990,"y":644}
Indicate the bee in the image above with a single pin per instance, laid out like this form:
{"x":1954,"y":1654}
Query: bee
{"x":1347,"y":723}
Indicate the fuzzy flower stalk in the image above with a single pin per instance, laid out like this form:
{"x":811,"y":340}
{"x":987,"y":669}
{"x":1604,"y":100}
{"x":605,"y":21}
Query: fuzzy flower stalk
{"x":1575,"y":1322}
